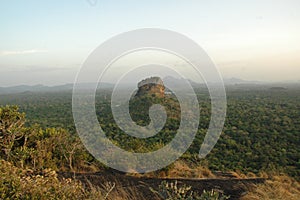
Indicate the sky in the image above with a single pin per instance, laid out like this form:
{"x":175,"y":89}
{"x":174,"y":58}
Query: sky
{"x":46,"y":42}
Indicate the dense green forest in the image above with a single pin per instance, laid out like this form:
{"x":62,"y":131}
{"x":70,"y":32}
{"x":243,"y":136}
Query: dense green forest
{"x":261,"y":131}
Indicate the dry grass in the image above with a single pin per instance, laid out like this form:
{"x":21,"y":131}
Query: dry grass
{"x":130,"y":193}
{"x":183,"y":170}
{"x":179,"y":169}
{"x":16,"y":183}
{"x":278,"y":187}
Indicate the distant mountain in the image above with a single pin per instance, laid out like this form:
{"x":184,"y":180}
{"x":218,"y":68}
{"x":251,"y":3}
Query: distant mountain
{"x":168,"y":80}
{"x":43,"y":88}
{"x":178,"y":82}
{"x":22,"y":88}
{"x":233,"y":81}
{"x":227,"y":81}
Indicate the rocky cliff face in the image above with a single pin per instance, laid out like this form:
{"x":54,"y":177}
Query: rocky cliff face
{"x":153,"y":86}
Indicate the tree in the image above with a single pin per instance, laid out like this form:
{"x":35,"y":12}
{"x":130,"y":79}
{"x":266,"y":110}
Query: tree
{"x":11,"y":129}
{"x":68,"y":146}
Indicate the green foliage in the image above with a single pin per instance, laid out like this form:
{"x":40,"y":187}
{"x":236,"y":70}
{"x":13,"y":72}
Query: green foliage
{"x":261,"y":133}
{"x":261,"y":130}
{"x":11,"y":129}
{"x":37,"y":148}
{"x":16,"y":183}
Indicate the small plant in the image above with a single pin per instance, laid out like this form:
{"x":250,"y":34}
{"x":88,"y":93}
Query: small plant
{"x":213,"y":195}
{"x":171,"y":191}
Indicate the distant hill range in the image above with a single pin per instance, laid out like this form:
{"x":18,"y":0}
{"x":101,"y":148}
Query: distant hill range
{"x":169,"y":80}
{"x":34,"y":88}
{"x":43,"y":88}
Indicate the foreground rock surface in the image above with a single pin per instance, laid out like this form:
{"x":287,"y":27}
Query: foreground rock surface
{"x":234,"y":187}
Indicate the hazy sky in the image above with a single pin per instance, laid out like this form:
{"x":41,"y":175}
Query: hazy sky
{"x":47,"y":41}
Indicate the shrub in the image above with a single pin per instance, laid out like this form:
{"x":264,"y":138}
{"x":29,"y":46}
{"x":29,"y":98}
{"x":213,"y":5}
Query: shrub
{"x":16,"y":183}
{"x":171,"y":191}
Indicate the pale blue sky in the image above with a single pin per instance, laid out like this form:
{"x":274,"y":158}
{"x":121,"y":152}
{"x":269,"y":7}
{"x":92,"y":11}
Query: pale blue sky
{"x":47,"y":41}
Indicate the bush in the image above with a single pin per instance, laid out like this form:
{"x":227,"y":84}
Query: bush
{"x":171,"y":191}
{"x":16,"y":183}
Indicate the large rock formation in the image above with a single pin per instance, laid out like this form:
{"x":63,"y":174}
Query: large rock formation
{"x":153,"y":86}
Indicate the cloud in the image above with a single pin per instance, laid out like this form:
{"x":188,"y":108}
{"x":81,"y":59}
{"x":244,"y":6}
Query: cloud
{"x":23,"y":52}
